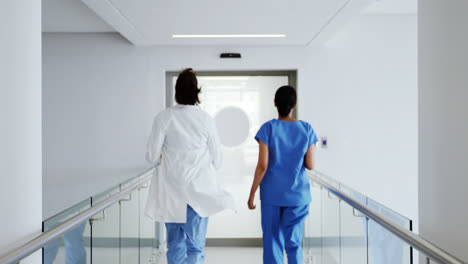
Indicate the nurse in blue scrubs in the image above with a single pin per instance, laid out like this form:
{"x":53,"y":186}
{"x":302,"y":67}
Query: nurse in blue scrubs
{"x":286,"y":150}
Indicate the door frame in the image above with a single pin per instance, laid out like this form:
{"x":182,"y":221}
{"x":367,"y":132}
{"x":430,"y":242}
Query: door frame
{"x":292,"y":79}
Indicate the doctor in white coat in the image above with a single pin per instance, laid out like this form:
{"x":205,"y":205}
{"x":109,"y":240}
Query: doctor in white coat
{"x":184,"y":192}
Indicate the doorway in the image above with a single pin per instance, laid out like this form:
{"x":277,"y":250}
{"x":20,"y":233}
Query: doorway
{"x":240,"y":102}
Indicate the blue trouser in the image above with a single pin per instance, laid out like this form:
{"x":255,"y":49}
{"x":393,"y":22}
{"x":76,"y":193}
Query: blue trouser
{"x":74,"y":247}
{"x":283,"y":228}
{"x":186,"y":241}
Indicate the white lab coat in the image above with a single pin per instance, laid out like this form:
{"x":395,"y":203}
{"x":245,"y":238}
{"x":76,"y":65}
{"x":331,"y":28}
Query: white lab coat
{"x":185,"y":146}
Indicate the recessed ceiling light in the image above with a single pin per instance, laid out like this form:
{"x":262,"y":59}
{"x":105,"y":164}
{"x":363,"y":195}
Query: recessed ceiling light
{"x":232,"y":36}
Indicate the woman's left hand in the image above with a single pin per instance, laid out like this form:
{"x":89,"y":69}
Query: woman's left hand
{"x":251,"y":204}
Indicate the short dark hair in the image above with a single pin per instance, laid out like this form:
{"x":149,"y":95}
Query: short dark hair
{"x":285,"y":99}
{"x":186,"y":88}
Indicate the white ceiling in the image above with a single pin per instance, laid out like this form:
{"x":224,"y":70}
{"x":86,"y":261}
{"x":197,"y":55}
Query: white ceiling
{"x":393,"y":7}
{"x":151,"y":22}
{"x":70,"y":16}
{"x":157,"y":21}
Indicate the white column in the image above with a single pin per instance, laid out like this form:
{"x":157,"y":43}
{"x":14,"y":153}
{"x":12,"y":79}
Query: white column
{"x":443,"y":124}
{"x":20,"y":119}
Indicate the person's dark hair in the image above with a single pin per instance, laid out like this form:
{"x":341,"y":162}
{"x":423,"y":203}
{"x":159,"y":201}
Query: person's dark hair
{"x":285,"y":99}
{"x":186,"y":88}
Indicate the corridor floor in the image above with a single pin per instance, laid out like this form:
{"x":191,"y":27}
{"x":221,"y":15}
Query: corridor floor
{"x":214,"y":255}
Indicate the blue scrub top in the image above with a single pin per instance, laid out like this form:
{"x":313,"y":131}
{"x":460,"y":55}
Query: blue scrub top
{"x":285,"y":182}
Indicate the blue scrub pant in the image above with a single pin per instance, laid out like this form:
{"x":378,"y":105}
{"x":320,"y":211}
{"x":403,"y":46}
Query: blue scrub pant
{"x":186,"y":241}
{"x":283,"y":228}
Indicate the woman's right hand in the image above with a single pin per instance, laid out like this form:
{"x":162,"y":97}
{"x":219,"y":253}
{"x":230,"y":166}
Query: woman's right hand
{"x":250,"y":203}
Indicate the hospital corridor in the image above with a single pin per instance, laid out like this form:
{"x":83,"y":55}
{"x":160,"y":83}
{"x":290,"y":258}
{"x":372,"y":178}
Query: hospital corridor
{"x":233,"y":132}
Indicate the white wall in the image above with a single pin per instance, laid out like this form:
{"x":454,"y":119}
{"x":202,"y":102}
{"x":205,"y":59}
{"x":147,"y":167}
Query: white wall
{"x":100,"y":96}
{"x":97,"y":99}
{"x":100,"y":93}
{"x":20,"y":131}
{"x":363,"y":98}
{"x":443,"y":124}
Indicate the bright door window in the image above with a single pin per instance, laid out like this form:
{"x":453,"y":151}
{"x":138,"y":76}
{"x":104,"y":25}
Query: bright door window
{"x":240,"y":105}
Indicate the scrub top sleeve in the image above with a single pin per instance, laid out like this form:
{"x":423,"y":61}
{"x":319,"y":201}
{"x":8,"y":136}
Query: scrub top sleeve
{"x":264,"y":134}
{"x":312,"y":137}
{"x":214,"y":145}
{"x":155,"y":142}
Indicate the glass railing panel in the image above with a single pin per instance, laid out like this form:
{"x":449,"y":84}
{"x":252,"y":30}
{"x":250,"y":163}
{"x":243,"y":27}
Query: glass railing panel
{"x":389,"y":213}
{"x":129,"y":229}
{"x":384,"y":246}
{"x":100,"y":238}
{"x":105,"y":231}
{"x":353,"y":236}
{"x":393,"y":251}
{"x":159,"y":250}
{"x":312,"y":245}
{"x":330,"y":228}
{"x":146,"y":229}
{"x":353,"y":232}
{"x":73,"y":247}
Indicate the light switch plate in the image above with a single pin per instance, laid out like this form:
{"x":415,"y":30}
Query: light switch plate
{"x":324,"y":142}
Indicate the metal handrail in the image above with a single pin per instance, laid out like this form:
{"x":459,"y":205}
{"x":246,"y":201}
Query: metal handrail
{"x":21,"y":252}
{"x":429,"y":249}
{"x":432,"y":251}
{"x":328,"y":178}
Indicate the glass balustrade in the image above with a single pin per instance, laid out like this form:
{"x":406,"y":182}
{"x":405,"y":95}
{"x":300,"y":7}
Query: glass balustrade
{"x":354,"y":230}
{"x":393,"y":249}
{"x":384,"y":246}
{"x":119,"y":234}
{"x":336,"y":233}
{"x":74,"y":246}
{"x":105,"y":230}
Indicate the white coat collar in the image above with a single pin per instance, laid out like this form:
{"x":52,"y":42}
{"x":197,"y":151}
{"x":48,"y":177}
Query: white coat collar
{"x":186,"y":106}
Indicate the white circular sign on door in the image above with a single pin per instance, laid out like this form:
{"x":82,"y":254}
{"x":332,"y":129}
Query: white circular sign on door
{"x":233,"y":126}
